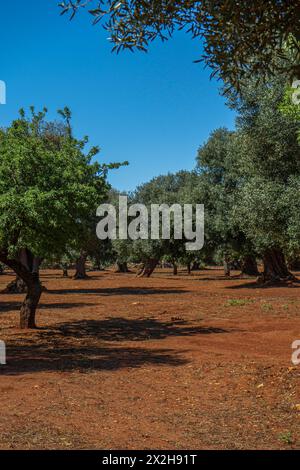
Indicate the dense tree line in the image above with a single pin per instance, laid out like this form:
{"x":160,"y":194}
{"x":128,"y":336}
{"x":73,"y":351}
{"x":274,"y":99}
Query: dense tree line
{"x":248,"y":180}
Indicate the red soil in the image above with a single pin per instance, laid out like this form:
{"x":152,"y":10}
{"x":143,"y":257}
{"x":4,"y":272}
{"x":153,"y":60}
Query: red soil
{"x":186,"y":362}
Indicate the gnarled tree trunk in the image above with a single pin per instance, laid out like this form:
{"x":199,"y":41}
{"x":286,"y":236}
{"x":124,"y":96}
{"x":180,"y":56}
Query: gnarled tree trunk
{"x":17,"y":286}
{"x":36,"y":263}
{"x":97,"y":266}
{"x":80,"y":267}
{"x":29,"y":306}
{"x":226,"y":264}
{"x":188,"y":267}
{"x":275,"y":267}
{"x":148,"y":267}
{"x":249,"y":266}
{"x":33,"y":287}
{"x":122,"y":268}
{"x":175,"y":269}
{"x":294,"y":265}
{"x":32,"y":263}
{"x":196,"y":266}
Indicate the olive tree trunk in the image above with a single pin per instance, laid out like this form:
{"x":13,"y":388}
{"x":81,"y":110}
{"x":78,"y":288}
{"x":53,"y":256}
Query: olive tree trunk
{"x":275,"y":267}
{"x":294,"y":265}
{"x":17,"y":286}
{"x":80,"y":267}
{"x":226,"y":265}
{"x":32,"y":263}
{"x":249,"y":266}
{"x":29,"y":306}
{"x":148,"y":267}
{"x":195,"y":266}
{"x":33,"y":288}
{"x":122,"y":268}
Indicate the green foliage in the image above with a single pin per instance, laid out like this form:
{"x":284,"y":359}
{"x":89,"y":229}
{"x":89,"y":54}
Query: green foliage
{"x":48,"y":186}
{"x":241,"y":39}
{"x":266,"y":307}
{"x":238,"y":302}
{"x":289,"y":108}
{"x":218,"y":166}
{"x":169,"y":189}
{"x":267,"y":207}
{"x":286,"y":438}
{"x":248,"y":180}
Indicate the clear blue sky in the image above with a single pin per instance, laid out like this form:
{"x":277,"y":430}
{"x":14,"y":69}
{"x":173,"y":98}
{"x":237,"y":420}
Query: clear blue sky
{"x":153,"y":110}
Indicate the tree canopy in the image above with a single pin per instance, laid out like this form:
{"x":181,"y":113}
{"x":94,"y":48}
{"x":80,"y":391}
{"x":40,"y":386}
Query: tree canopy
{"x":248,"y":180}
{"x":239,"y":38}
{"x":49,"y":187}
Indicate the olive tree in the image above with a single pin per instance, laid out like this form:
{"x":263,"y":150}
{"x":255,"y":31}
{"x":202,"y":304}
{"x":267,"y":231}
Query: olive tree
{"x":48,"y":187}
{"x":269,"y":159}
{"x":239,"y":38}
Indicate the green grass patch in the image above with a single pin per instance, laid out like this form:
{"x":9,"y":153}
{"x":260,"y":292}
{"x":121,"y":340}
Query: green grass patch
{"x":238,"y":302}
{"x":266,"y":307}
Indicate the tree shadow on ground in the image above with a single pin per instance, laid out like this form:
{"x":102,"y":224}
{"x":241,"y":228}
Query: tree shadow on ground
{"x":255,"y":285}
{"x":118,"y":291}
{"x":191,"y":277}
{"x":84,"y":346}
{"x":32,"y":358}
{"x":6,"y":307}
{"x":123,"y":329}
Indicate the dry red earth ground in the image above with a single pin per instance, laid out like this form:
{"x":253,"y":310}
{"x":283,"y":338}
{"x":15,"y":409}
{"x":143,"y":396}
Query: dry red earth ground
{"x":184,"y":362}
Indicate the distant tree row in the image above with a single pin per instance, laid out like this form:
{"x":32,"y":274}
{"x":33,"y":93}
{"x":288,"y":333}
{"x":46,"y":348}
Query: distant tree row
{"x":249,"y":182}
{"x":248,"y":179}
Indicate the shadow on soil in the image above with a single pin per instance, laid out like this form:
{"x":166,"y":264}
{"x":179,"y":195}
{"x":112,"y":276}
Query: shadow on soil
{"x":123,"y":329}
{"x":6,"y":307}
{"x":255,"y":285}
{"x":118,"y":291}
{"x":80,"y":346}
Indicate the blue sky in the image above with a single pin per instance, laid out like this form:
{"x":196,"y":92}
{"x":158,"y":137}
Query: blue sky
{"x":153,"y":110}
